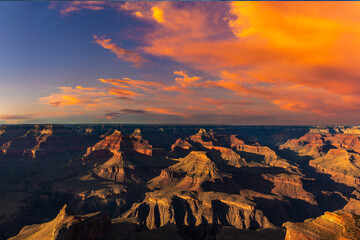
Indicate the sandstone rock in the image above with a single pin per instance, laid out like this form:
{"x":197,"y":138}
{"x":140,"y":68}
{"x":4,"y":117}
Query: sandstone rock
{"x":194,"y":209}
{"x":189,"y":173}
{"x":342,"y":165}
{"x":67,"y":226}
{"x":118,"y":157}
{"x":332,"y":225}
{"x":353,"y":206}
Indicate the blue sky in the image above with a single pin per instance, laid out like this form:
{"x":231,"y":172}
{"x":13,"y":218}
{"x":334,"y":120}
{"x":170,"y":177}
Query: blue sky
{"x":179,"y":62}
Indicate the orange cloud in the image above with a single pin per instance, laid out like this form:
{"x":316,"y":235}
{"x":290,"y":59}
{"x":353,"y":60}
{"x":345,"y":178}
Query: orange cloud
{"x":15,"y":117}
{"x":79,"y":96}
{"x":157,"y":14}
{"x":298,"y":57}
{"x":76,"y":6}
{"x":121,"y":92}
{"x":273,"y":47}
{"x":131,"y":83}
{"x":165,"y":111}
{"x":89,"y":89}
{"x":185,"y":80}
{"x":121,"y":53}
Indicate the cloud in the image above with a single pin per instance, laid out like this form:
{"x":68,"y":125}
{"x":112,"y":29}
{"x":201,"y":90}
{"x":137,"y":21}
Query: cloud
{"x":165,"y":111}
{"x":136,"y":84}
{"x":260,"y":58}
{"x":185,"y":80}
{"x":76,"y":6}
{"x":299,"y":56}
{"x":16,"y":117}
{"x":125,"y":111}
{"x":79,"y":96}
{"x":121,"y":53}
{"x":157,"y":14}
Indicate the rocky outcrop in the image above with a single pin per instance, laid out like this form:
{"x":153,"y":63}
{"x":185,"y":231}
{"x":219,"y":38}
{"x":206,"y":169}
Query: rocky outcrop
{"x":194,"y":209}
{"x":258,"y":153}
{"x":208,"y":181}
{"x":337,"y":225}
{"x":181,"y":144}
{"x":189,"y":173}
{"x":291,"y":186}
{"x":353,"y":206}
{"x":118,"y":142}
{"x":343,"y":166}
{"x":228,"y":156}
{"x":239,"y":145}
{"x":311,"y":144}
{"x":67,"y":226}
{"x":334,"y":152}
{"x":45,"y":140}
{"x":229,"y":149}
{"x":317,"y":142}
{"x":119,"y":157}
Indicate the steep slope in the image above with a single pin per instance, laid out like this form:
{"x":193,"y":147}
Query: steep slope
{"x":67,"y":226}
{"x":262,"y":154}
{"x":120,"y":158}
{"x":43,"y":141}
{"x":186,"y":197}
{"x":189,"y":173}
{"x":342,"y":165}
{"x":228,"y":149}
{"x":311,"y":144}
{"x":337,"y":225}
{"x":194,"y":209}
{"x":333,"y":153}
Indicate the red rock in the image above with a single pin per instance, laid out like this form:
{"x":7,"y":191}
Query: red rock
{"x":332,"y":225}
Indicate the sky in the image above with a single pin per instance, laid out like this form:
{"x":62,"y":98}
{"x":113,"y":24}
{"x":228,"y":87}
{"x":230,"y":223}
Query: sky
{"x":243,"y":63}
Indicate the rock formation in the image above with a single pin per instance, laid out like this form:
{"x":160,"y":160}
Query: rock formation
{"x":337,"y":225}
{"x":334,"y":153}
{"x":67,"y":226}
{"x":119,"y":157}
{"x":342,"y":165}
{"x":194,"y":209}
{"x":167,"y":182}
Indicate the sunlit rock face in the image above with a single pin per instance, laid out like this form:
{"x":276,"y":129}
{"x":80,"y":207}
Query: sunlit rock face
{"x":68,"y":226}
{"x":332,"y":225}
{"x":194,"y":209}
{"x":334,"y":152}
{"x":120,"y":157}
{"x":118,"y":142}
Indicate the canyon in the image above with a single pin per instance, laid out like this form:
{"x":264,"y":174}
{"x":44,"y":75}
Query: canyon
{"x":184,"y":182}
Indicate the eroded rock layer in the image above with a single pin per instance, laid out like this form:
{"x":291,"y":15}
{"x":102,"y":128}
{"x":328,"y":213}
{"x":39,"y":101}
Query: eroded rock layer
{"x":337,"y":225}
{"x":67,"y":226}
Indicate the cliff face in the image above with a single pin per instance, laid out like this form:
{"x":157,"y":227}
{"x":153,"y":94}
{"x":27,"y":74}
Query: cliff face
{"x":334,"y":153}
{"x":194,"y":209}
{"x":43,"y":141}
{"x":67,"y":226}
{"x":229,"y":149}
{"x":343,"y":166}
{"x":189,"y":173}
{"x":119,"y":157}
{"x":118,"y":142}
{"x":332,"y":225}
